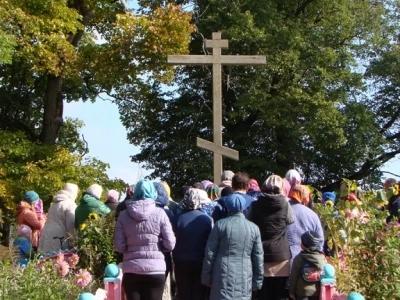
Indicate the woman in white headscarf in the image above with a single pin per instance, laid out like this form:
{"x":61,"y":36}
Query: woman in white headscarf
{"x":60,"y":220}
{"x":293,"y":176}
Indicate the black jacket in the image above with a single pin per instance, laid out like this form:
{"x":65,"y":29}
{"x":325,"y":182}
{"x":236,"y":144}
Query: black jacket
{"x":271,"y":214}
{"x":394,"y":209}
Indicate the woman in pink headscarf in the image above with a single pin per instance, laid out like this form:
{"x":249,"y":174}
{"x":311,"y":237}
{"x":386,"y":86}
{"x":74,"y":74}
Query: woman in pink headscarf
{"x":286,"y":188}
{"x":253,"y":190}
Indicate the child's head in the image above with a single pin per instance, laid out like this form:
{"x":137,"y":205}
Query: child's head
{"x":355,"y":296}
{"x":31,"y":197}
{"x":24,"y":231}
{"x":328,"y":198}
{"x":310,"y":240}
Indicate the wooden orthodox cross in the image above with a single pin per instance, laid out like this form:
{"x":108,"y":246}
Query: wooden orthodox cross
{"x":217,"y":60}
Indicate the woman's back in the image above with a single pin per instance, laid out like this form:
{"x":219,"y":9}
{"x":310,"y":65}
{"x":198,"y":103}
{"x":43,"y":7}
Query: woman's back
{"x":237,"y":236}
{"x":233,"y":251}
{"x":192,"y":229}
{"x":305,"y":220}
{"x":142,"y":232}
{"x":60,"y":223}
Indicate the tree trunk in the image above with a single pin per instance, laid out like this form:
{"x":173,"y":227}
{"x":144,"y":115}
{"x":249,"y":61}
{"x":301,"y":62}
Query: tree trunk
{"x":53,"y":110}
{"x":53,"y":101}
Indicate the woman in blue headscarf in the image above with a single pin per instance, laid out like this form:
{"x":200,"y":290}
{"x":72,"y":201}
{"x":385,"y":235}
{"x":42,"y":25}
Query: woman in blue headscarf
{"x":234,"y":257}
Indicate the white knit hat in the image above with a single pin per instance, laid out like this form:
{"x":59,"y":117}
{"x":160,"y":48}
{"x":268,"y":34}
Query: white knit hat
{"x":96,"y":190}
{"x":72,"y":188}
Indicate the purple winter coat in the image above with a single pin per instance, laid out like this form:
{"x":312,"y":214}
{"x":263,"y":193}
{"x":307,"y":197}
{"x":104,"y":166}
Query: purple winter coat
{"x":142,"y":232}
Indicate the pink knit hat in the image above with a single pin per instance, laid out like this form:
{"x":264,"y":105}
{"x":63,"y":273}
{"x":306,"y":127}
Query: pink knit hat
{"x":112,"y":196}
{"x":24,"y":231}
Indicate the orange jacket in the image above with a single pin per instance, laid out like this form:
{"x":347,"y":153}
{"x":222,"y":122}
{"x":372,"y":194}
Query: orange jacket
{"x":27,"y":216}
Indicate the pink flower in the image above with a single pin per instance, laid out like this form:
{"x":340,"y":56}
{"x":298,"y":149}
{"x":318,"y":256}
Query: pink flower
{"x":60,"y":257}
{"x":63,"y":268}
{"x":342,"y":261}
{"x":40,"y":266}
{"x":379,"y":236}
{"x":73,"y":260}
{"x":363,"y":217}
{"x":392,"y":224}
{"x":83,"y":278}
{"x":349,"y":214}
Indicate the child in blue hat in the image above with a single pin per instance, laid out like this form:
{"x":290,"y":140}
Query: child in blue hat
{"x":305,"y":277}
{"x":23,"y":244}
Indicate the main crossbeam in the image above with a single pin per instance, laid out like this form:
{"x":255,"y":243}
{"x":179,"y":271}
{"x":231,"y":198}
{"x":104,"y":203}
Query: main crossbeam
{"x":216,"y":59}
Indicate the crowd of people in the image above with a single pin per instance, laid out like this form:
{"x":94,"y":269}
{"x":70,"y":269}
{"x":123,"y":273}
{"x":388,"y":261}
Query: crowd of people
{"x":235,"y":240}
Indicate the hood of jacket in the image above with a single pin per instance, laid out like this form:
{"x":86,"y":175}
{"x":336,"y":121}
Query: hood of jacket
{"x":87,"y":198}
{"x":314,"y":257}
{"x":140,"y":210}
{"x":162,"y":195}
{"x":64,"y":195}
{"x":23,"y":205}
{"x":272,"y":201}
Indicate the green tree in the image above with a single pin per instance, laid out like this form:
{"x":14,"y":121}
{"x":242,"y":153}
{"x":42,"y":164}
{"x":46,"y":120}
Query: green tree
{"x":26,"y":165}
{"x":306,"y":108}
{"x":77,"y":50}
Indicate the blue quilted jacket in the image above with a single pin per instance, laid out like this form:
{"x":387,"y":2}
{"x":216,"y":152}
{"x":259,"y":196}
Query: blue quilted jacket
{"x":234,"y":259}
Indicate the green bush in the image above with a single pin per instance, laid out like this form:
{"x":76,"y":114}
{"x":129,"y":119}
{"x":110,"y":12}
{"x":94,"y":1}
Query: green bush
{"x":368,"y":261}
{"x":95,"y":244}
{"x":43,"y":279}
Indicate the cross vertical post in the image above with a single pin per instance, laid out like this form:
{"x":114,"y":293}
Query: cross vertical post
{"x":217,"y":60}
{"x":217,"y":107}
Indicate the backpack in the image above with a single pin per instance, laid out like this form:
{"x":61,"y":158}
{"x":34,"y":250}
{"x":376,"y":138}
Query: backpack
{"x":310,"y":272}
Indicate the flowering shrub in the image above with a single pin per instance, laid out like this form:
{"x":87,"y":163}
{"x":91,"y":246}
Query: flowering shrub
{"x":368,"y":257}
{"x":95,"y":244}
{"x":52,"y":278}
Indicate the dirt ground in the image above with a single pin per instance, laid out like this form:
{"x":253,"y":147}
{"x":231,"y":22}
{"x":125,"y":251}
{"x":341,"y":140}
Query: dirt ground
{"x":4,"y":253}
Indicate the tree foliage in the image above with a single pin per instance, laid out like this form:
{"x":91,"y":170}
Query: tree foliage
{"x":26,"y":165}
{"x":318,"y":104}
{"x":76,"y":50}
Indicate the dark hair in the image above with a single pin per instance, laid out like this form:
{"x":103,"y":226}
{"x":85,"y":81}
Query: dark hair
{"x":183,"y":191}
{"x":226,"y":191}
{"x":240,"y":181}
{"x":391,"y":181}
